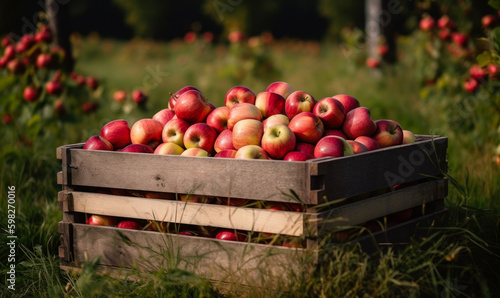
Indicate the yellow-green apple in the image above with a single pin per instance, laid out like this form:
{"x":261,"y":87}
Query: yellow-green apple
{"x":224,"y":141}
{"x":307,"y":127}
{"x":332,"y":146}
{"x":349,"y":102}
{"x":275,"y":119}
{"x":129,"y":224}
{"x":98,"y":143}
{"x":239,"y":94}
{"x":217,"y":119}
{"x":305,"y":148}
{"x":139,"y":97}
{"x":198,"y":152}
{"x":247,"y":132}
{"x":251,"y":152}
{"x":163,"y":116}
{"x":169,"y":149}
{"x":358,"y":122}
{"x":388,"y":133}
{"x":226,"y":153}
{"x":297,"y":156}
{"x":192,"y":107}
{"x":334,"y":132}
{"x":277,"y":141}
{"x":146,"y":131}
{"x":282,"y":88}
{"x":298,"y":102}
{"x":120,"y":95}
{"x":101,"y":220}
{"x":233,"y":201}
{"x":230,"y":235}
{"x":137,"y":148}
{"x":242,"y":111}
{"x":369,"y":142}
{"x":408,"y":137}
{"x":330,"y":111}
{"x":199,"y":135}
{"x":174,"y":131}
{"x":357,"y":146}
{"x":270,"y":103}
{"x":175,"y":96}
{"x":117,"y":132}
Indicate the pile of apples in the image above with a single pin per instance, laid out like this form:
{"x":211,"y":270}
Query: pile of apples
{"x":279,"y":124}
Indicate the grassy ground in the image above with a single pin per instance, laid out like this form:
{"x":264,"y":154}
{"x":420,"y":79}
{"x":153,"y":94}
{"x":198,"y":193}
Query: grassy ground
{"x":457,"y":260}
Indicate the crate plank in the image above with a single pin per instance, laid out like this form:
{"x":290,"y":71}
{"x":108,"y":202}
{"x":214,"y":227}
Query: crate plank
{"x":251,"y":219}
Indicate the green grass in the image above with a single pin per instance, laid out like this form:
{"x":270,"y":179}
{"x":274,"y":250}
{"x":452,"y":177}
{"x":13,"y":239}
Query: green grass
{"x":458,"y":258}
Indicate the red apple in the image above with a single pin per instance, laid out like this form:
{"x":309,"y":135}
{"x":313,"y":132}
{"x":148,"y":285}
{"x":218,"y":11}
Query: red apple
{"x":471,"y":85}
{"x":331,"y":112}
{"x":3,"y":61}
{"x":358,"y":122}
{"x":332,"y":146}
{"x":230,"y":235}
{"x":427,"y":23}
{"x":242,"y":111}
{"x":169,"y":149}
{"x":270,"y":103}
{"x":282,"y":88}
{"x":275,"y":119}
{"x":43,"y":36}
{"x":459,"y":38}
{"x":297,"y":156}
{"x":445,"y":22}
{"x":163,"y":116}
{"x":54,"y":87}
{"x":247,"y":132}
{"x":307,"y":127}
{"x":101,"y":220}
{"x":9,"y":52}
{"x":334,"y":132}
{"x":129,"y":224}
{"x":199,"y":135}
{"x":15,"y":66}
{"x":408,"y":137}
{"x":298,"y":102}
{"x":233,"y":201}
{"x":137,"y":148}
{"x":98,"y":143}
{"x":305,"y":148}
{"x":59,"y":107}
{"x":488,"y":20}
{"x":192,"y":107}
{"x":139,"y":97}
{"x":357,"y":146}
{"x":198,"y":152}
{"x":31,"y":93}
{"x":117,"y":132}
{"x":372,"y":62}
{"x":477,"y":72}
{"x":6,"y":41}
{"x":93,"y":84}
{"x":251,"y":152}
{"x":120,"y":95}
{"x":388,"y":133}
{"x":217,"y":119}
{"x":239,"y":94}
{"x":174,"y":132}
{"x":224,"y":141}
{"x":278,"y":140}
{"x":349,"y":102}
{"x":175,"y":96}
{"x":493,"y":70}
{"x":368,"y":142}
{"x":44,"y":61}
{"x":226,"y":153}
{"x":147,"y":132}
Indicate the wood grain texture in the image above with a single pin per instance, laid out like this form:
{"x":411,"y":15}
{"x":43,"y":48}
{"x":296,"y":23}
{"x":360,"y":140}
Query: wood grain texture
{"x":250,"y":219}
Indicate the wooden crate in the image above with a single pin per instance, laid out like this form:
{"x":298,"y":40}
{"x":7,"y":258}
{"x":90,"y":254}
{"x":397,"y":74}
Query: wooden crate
{"x":335,"y":192}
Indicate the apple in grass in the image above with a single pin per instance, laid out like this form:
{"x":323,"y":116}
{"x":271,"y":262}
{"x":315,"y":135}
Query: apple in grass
{"x":330,"y":111}
{"x":175,"y":96}
{"x":334,"y":132}
{"x":307,"y":127}
{"x":247,"y":132}
{"x":117,"y":132}
{"x":275,"y":119}
{"x":197,"y":152}
{"x":357,"y":146}
{"x":200,"y":135}
{"x":98,"y":143}
{"x":174,"y":130}
{"x":226,"y":153}
{"x":368,"y":142}
{"x":388,"y":133}
{"x":270,"y":103}
{"x":217,"y":119}
{"x":169,"y":149}
{"x":278,"y":140}
{"x":297,"y":156}
{"x":147,"y":132}
{"x":298,"y":102}
{"x":332,"y":146}
{"x":237,"y":95}
{"x":137,"y":148}
{"x":349,"y":102}
{"x":101,"y":220}
{"x":192,"y":107}
{"x":408,"y":137}
{"x":251,"y":152}
{"x":358,"y":122}
{"x":282,"y":88}
{"x":242,"y":111}
{"x":305,"y":148}
{"x":224,"y":141}
{"x":163,"y":116}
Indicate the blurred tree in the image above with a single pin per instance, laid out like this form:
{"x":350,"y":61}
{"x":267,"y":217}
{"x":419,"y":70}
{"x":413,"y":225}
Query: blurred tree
{"x":341,"y":14}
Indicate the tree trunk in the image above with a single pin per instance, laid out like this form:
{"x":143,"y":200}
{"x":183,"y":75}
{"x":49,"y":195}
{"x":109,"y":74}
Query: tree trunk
{"x":373,"y":12}
{"x":57,"y":12}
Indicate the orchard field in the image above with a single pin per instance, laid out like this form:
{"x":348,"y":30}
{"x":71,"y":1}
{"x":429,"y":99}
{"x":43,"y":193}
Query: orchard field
{"x":424,"y":91}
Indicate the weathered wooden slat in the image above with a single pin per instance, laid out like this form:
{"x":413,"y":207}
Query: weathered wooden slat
{"x":66,"y":248}
{"x":60,"y":178}
{"x":379,"y":206}
{"x":250,"y":219}
{"x":226,"y":261}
